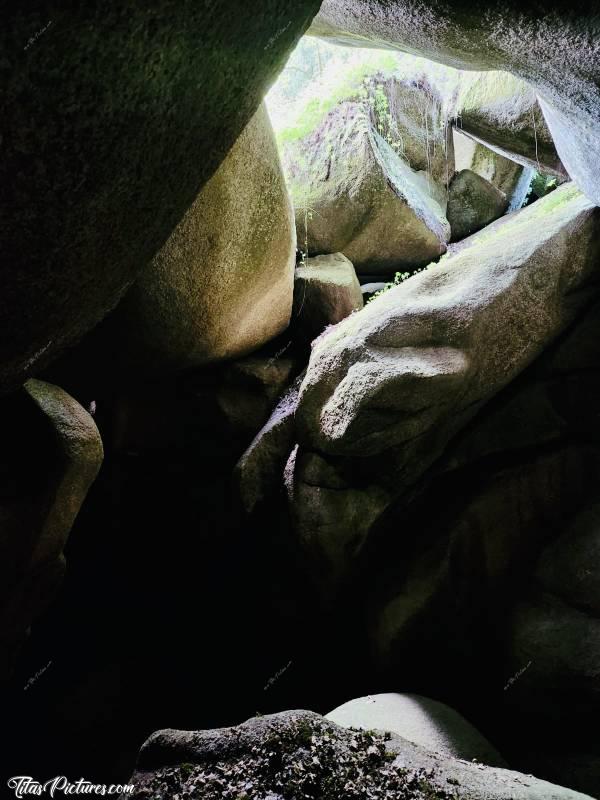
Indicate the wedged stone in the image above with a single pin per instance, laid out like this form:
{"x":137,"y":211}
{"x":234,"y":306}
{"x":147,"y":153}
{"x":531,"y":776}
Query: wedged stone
{"x":560,"y":646}
{"x":248,"y":389}
{"x":115,"y":120}
{"x":570,"y":566}
{"x":260,"y":470}
{"x":505,"y":174}
{"x":473,"y":202}
{"x":52,"y":454}
{"x":429,"y":330}
{"x":326,"y":291}
{"x":454,"y":586}
{"x":502,"y":112}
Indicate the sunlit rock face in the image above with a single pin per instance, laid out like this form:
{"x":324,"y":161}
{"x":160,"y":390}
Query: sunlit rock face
{"x":420,"y":720}
{"x":556,"y":51}
{"x":114,"y":117}
{"x":354,"y":194}
{"x":222,"y":285}
{"x":367,"y":150}
{"x":505,"y":174}
{"x":503,"y":112}
{"x":52,"y":452}
{"x":386,"y":389}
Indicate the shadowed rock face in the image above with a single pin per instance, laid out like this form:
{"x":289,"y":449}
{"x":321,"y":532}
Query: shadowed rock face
{"x":554,"y":48}
{"x":52,"y":452}
{"x":511,"y":178}
{"x":114,"y":116}
{"x":386,"y":389}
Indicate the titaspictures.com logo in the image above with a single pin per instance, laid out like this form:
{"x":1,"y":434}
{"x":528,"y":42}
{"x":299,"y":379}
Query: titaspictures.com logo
{"x":26,"y":786}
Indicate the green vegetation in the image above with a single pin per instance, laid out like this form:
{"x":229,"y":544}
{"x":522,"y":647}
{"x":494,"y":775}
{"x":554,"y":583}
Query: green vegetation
{"x":399,"y":278}
{"x":319,"y":76}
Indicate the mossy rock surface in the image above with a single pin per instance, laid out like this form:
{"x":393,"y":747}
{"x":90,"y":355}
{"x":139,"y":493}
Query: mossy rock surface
{"x":299,"y":755}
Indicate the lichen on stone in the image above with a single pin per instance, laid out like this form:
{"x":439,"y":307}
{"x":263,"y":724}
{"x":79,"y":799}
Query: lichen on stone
{"x":306,"y":760}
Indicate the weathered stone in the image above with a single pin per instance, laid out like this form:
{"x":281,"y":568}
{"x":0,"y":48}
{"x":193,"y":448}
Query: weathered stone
{"x":249,"y":389}
{"x":456,"y":584}
{"x":222,"y":285}
{"x":260,"y":470}
{"x":478,"y":285}
{"x":505,"y":174}
{"x":420,"y":720}
{"x":473,"y":202}
{"x":326,"y":291}
{"x":369,"y":289}
{"x":561,"y":647}
{"x":502,"y":112}
{"x":52,"y":453}
{"x":309,"y":746}
{"x":556,"y":54}
{"x":353,"y":194}
{"x":115,"y":118}
{"x":387,"y":388}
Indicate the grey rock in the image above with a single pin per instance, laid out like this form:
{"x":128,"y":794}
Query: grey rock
{"x":60,"y":443}
{"x":300,"y":734}
{"x":353,"y":194}
{"x":505,"y":174}
{"x":473,"y":202}
{"x":420,"y":720}
{"x":222,"y":285}
{"x":326,"y":291}
{"x":396,"y":381}
{"x":259,"y":472}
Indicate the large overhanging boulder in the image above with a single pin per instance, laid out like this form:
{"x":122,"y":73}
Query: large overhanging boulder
{"x":115,"y":115}
{"x":354,"y":194}
{"x":222,"y":285}
{"x":387,"y":388}
{"x":554,"y":48}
